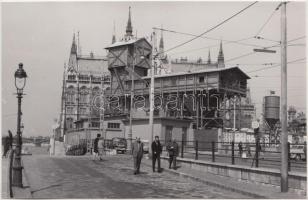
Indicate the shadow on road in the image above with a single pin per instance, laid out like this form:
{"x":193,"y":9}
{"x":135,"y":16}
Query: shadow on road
{"x":45,"y":188}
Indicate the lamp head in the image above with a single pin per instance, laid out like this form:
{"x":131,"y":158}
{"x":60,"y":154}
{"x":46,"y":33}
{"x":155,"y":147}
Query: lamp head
{"x":20,"y":78}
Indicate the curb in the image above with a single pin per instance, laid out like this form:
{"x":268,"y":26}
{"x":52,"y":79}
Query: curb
{"x":215,"y":184}
{"x":211,"y":183}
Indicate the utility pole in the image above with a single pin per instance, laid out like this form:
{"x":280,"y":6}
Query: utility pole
{"x":151,"y":121}
{"x":130,"y":133}
{"x":234,"y":118}
{"x":284,"y":133}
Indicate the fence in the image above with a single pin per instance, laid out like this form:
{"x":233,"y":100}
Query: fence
{"x":249,"y":154}
{"x":243,"y":153}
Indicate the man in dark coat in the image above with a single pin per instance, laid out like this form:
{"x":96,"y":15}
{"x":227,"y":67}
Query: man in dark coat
{"x":6,"y":146}
{"x":240,"y":148}
{"x":95,"y":146}
{"x":156,"y":151}
{"x":137,"y":151}
{"x":173,"y":150}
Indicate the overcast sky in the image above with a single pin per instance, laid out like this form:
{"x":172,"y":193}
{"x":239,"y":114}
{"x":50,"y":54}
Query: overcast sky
{"x":40,"y":35}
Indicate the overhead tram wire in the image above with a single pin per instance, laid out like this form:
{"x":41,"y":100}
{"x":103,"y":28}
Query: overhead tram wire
{"x":278,"y":65}
{"x":210,"y":46}
{"x":270,"y":17}
{"x":251,"y":53}
{"x":216,"y":26}
{"x":211,"y":38}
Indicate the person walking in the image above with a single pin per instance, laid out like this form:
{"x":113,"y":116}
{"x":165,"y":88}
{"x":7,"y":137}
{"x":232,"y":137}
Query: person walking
{"x":156,"y":151}
{"x":240,"y":148}
{"x":95,"y":146}
{"x":173,"y":150}
{"x":137,"y":151}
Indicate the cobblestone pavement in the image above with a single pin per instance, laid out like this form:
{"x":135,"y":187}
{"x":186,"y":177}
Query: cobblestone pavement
{"x":80,"y":177}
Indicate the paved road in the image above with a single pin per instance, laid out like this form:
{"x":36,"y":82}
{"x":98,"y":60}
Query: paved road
{"x":79,"y":177}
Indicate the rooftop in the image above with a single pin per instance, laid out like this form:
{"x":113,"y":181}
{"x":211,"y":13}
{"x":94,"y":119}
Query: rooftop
{"x":200,"y":71}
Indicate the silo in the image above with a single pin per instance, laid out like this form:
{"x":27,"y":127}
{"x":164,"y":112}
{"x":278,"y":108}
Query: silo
{"x":271,"y":110}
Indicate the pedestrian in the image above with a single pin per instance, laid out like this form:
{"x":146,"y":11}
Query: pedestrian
{"x":248,"y":149}
{"x":172,"y":149}
{"x":240,"y":148}
{"x":10,"y":139}
{"x":100,"y":148}
{"x":137,"y":151}
{"x":156,"y":151}
{"x":305,"y":150}
{"x":6,"y":146}
{"x":95,"y":146}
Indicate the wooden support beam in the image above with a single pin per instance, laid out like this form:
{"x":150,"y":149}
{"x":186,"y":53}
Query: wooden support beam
{"x":134,"y":74}
{"x":119,"y":80}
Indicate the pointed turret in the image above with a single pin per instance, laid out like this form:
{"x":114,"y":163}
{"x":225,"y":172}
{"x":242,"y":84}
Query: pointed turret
{"x":72,"y":63}
{"x":74,"y":46}
{"x":221,"y":60}
{"x":209,"y":58}
{"x":113,"y":35}
{"x":129,"y":28}
{"x":161,"y":45}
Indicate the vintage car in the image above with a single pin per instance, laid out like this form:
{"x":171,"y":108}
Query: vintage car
{"x":297,"y":152}
{"x":119,"y":144}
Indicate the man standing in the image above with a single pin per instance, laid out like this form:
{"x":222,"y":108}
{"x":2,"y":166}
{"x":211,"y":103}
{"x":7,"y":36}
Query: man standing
{"x":95,"y":146}
{"x":137,"y":151}
{"x":156,"y":151}
{"x":240,"y":148}
{"x":173,"y":149}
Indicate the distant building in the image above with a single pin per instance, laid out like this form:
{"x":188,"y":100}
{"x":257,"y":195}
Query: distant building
{"x":190,"y":97}
{"x":84,"y":78}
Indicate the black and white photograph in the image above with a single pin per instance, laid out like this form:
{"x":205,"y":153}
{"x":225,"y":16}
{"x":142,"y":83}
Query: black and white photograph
{"x":153,"y":99}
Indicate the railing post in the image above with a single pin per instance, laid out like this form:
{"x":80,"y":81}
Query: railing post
{"x":182,"y":150}
{"x":213,"y":151}
{"x":196,"y":156}
{"x":232,"y":149}
{"x":289,"y":157}
{"x":257,"y":153}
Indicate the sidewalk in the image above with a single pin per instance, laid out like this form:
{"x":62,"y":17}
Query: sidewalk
{"x":4,"y":172}
{"x":245,"y":188}
{"x":18,"y":193}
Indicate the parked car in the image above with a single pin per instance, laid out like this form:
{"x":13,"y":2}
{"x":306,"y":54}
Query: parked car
{"x":297,"y":152}
{"x":119,"y":144}
{"x":146,"y":146}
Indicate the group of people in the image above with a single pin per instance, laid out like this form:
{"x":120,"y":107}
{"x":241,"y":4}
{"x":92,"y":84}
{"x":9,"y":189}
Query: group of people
{"x":156,"y":147}
{"x":241,"y":148}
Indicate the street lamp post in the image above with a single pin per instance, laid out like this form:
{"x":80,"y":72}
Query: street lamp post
{"x":20,"y":82}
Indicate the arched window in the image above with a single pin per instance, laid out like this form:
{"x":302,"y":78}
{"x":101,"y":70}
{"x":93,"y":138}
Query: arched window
{"x":96,"y":91}
{"x":84,"y":95}
{"x":70,"y":94}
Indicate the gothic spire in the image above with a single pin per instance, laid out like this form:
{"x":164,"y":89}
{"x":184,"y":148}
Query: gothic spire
{"x":221,"y":54}
{"x":74,"y":47}
{"x":209,"y":58}
{"x":129,"y":28}
{"x":113,"y":35}
{"x":221,"y":60}
{"x":161,"y":42}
